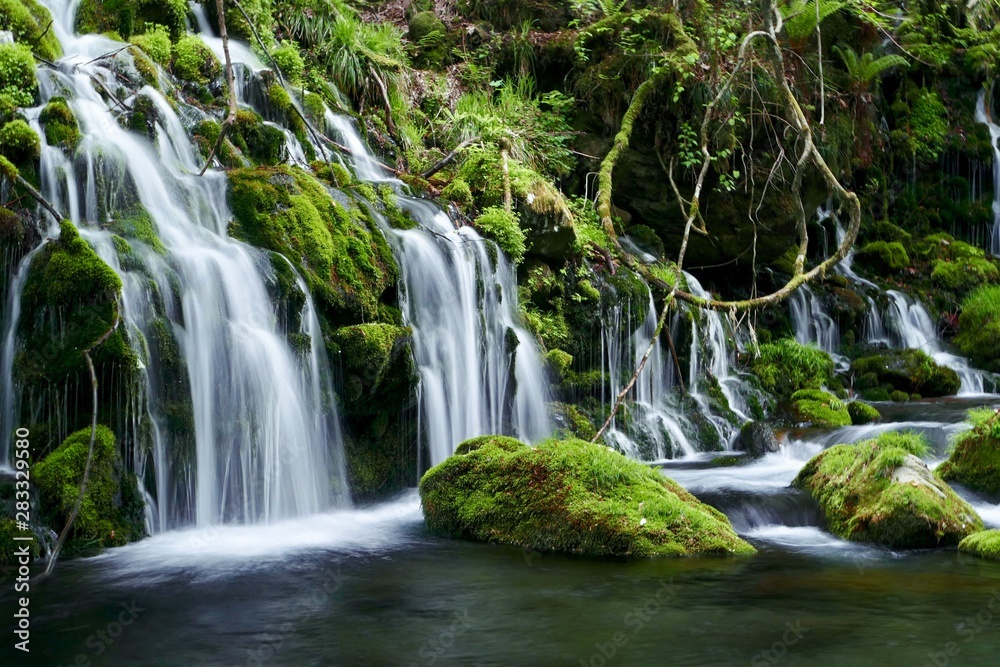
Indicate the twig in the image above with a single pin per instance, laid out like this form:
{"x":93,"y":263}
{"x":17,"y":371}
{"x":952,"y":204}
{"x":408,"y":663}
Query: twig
{"x":447,"y":159}
{"x":230,"y":81}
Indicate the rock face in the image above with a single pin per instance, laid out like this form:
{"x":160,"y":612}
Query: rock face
{"x":756,"y":439}
{"x":570,"y":496}
{"x":879,"y":491}
{"x":975,"y":459}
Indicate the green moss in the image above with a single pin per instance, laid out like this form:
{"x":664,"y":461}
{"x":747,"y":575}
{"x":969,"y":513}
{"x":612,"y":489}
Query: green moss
{"x":30,"y":23}
{"x":19,"y":143}
{"x":17,"y":76}
{"x":862,"y":413}
{"x":979,"y":327}
{"x":262,"y":143}
{"x":372,"y":353}
{"x":290,"y":62}
{"x":975,"y":456}
{"x":899,"y":396}
{"x":194,"y":61}
{"x":128,"y":17}
{"x":155,"y":43}
{"x":112,"y":511}
{"x":786,"y":366}
{"x":878,"y":491}
{"x":819,"y":408}
{"x":343,"y":257}
{"x":570,"y":496}
{"x":137,"y":224}
{"x":985,"y":544}
{"x":60,"y":124}
{"x":9,"y":546}
{"x":884,"y":256}
{"x":458,"y":191}
{"x":504,"y":228}
{"x":964,"y":274}
{"x":908,"y":371}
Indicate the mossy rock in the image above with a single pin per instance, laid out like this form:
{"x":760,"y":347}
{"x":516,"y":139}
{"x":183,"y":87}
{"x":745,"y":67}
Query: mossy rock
{"x":9,"y":546}
{"x":377,"y":366}
{"x":786,"y":366}
{"x":887,"y":257}
{"x":979,"y":327}
{"x":964,"y":274}
{"x":194,"y":61}
{"x":19,"y":143}
{"x":343,"y":256}
{"x":572,"y":422}
{"x":909,"y":371}
{"x":128,"y":17}
{"x":975,"y":457}
{"x":984,"y":544}
{"x":756,"y":439}
{"x":878,"y":491}
{"x":18,"y":85}
{"x":59,"y":122}
{"x":112,"y":512}
{"x":30,"y":23}
{"x":819,"y":408}
{"x":862,"y":413}
{"x":570,"y":496}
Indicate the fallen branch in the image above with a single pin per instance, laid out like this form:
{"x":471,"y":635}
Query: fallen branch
{"x":230,"y":120}
{"x":447,"y":159}
{"x":8,"y":169}
{"x":90,"y":450}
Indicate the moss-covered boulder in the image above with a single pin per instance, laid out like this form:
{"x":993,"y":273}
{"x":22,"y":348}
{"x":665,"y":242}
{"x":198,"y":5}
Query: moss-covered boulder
{"x":194,"y":61}
{"x":862,"y":413}
{"x":985,"y":544}
{"x":883,"y":256}
{"x":786,"y":366}
{"x":879,"y":491}
{"x":979,"y":327}
{"x":128,"y":17}
{"x":342,"y":255}
{"x":815,"y":407}
{"x":30,"y":22}
{"x":909,"y":371}
{"x":59,"y":122}
{"x":756,"y":439}
{"x":112,"y":512}
{"x":975,"y":455}
{"x":569,"y":496}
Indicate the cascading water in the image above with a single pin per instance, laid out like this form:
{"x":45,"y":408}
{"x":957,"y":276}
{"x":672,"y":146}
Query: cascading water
{"x":911,"y":327}
{"x":983,"y":116}
{"x":462,"y":307}
{"x":266,"y":439}
{"x":813,"y":324}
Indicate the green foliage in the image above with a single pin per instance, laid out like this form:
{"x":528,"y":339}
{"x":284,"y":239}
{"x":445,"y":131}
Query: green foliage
{"x":800,"y":17}
{"x":290,"y":62}
{"x":194,"y":61}
{"x":30,"y":23}
{"x":964,"y":275}
{"x":786,"y":367}
{"x":19,"y":143}
{"x":979,"y":326}
{"x":975,"y":456}
{"x":60,"y":124}
{"x":112,"y":511}
{"x":862,"y":413}
{"x":928,"y":127}
{"x":819,"y":408}
{"x":17,"y":76}
{"x":10,"y":547}
{"x":155,"y":43}
{"x":884,"y":256}
{"x":503,"y":227}
{"x":985,"y":544}
{"x":459,"y":192}
{"x":865,"y":498}
{"x":569,"y":496}
{"x":866,"y":68}
{"x":127,"y":17}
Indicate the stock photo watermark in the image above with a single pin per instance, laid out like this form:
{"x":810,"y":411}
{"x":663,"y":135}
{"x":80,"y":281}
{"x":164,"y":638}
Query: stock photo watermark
{"x":793,"y":633}
{"x":970,"y":628}
{"x":636,"y":619}
{"x":436,"y":647}
{"x":103,"y":639}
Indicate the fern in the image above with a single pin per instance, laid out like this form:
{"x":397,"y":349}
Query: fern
{"x":866,"y":68}
{"x":800,"y":17}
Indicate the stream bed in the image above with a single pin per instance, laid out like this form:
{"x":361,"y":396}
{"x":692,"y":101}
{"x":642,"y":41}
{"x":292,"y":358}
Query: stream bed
{"x":372,"y":587}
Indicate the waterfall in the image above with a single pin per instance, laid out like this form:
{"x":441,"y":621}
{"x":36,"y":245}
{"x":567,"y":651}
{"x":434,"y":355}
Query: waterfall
{"x":266,"y":438}
{"x":911,"y":327}
{"x":814,"y":324}
{"x":983,"y":116}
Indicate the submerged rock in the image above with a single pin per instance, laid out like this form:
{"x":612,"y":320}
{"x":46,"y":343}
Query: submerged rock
{"x":756,"y":439}
{"x":975,"y":458}
{"x":985,"y":544}
{"x":879,"y":491}
{"x":570,"y":496}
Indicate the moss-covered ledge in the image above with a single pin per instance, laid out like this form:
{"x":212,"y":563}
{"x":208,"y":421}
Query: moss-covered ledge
{"x":569,"y":496}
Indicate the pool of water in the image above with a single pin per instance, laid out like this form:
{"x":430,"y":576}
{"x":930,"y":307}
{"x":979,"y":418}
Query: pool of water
{"x":372,"y":587}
